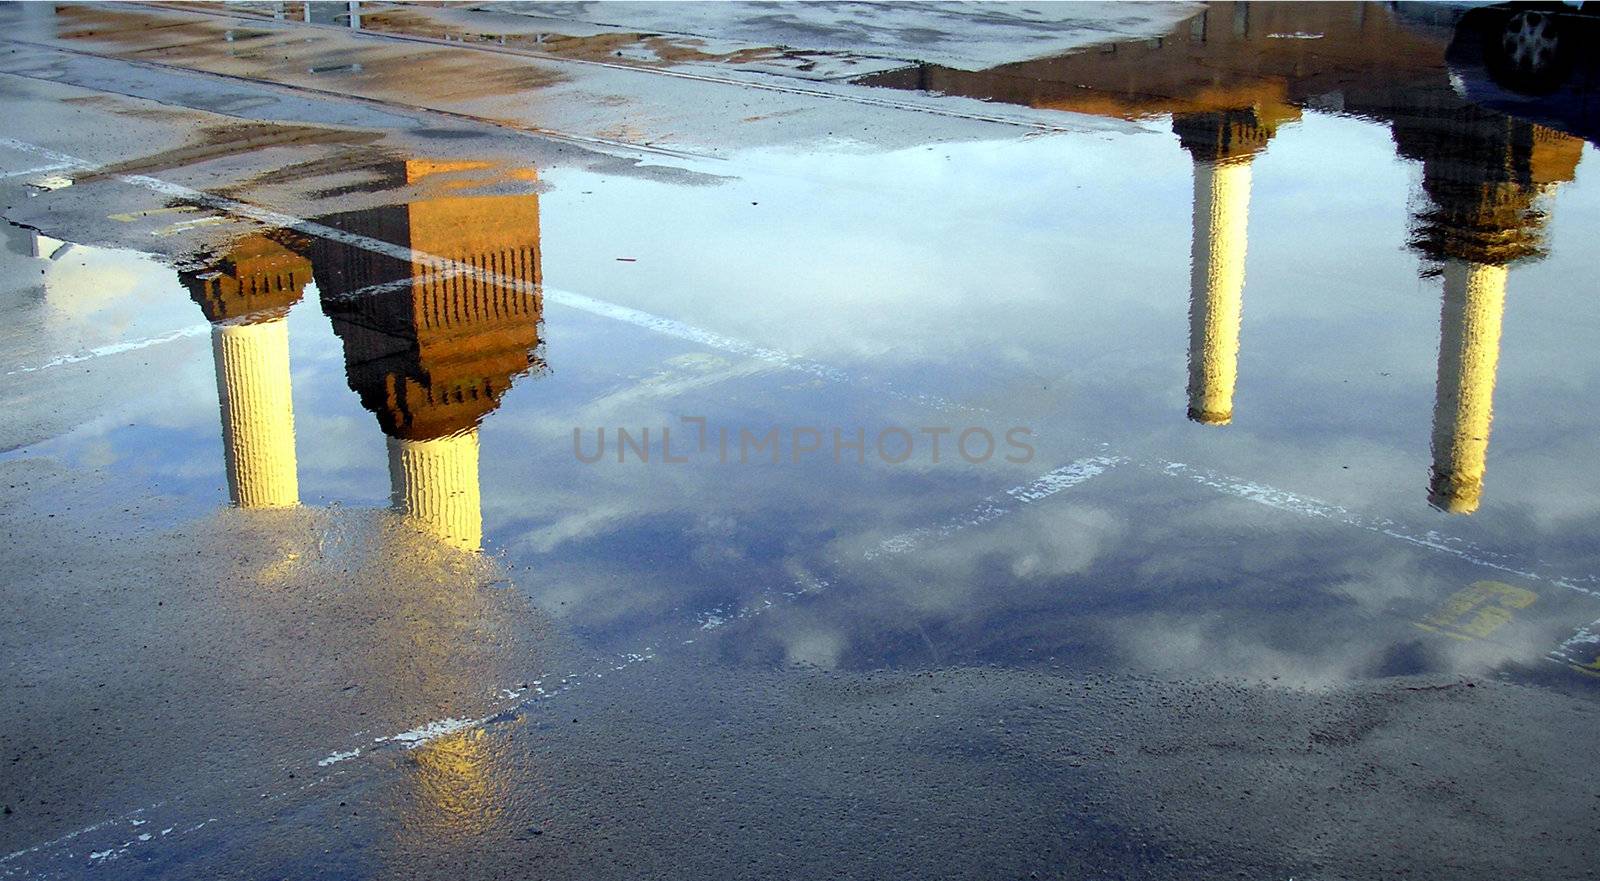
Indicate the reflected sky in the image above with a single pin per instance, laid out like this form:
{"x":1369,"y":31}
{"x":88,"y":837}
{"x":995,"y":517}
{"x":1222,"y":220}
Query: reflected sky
{"x":1334,"y":271}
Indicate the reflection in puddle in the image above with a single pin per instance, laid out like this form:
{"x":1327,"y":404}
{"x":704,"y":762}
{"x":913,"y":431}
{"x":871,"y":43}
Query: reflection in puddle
{"x":431,"y":342}
{"x":1223,"y":145}
{"x":429,"y":347}
{"x":247,"y":296}
{"x":1481,"y":173}
{"x":455,"y":777}
{"x":1231,"y":75}
{"x":435,"y":302}
{"x":430,"y":279}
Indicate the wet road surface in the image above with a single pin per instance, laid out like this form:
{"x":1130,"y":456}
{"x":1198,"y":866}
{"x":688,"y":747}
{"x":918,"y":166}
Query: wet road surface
{"x":652,"y":441}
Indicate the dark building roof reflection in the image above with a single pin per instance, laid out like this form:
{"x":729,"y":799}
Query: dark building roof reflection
{"x":435,"y":331}
{"x":1230,"y":76}
{"x":431,"y":345}
{"x":437,"y":304}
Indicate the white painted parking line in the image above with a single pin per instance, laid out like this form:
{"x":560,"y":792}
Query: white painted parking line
{"x":1581,"y":650}
{"x":996,"y":506}
{"x":1283,"y":500}
{"x":42,"y":169}
{"x":991,"y":508}
{"x":199,"y":330}
{"x":94,"y":827}
{"x":115,"y":349}
{"x":110,"y":854}
{"x":384,"y":287}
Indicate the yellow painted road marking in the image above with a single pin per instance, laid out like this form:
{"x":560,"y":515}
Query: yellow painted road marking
{"x":1478,"y":610}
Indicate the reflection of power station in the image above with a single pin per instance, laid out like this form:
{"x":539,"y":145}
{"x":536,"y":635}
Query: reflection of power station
{"x":246,"y":295}
{"x":1223,"y":143}
{"x":455,"y":779}
{"x":1227,"y":55}
{"x":434,"y":338}
{"x":1482,"y":173}
{"x":1469,"y":350}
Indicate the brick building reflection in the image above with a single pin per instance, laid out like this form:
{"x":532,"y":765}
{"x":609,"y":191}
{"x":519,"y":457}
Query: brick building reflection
{"x":1216,"y":77}
{"x":1228,"y":78}
{"x":435,"y":331}
{"x":1481,"y":175}
{"x":246,"y":295}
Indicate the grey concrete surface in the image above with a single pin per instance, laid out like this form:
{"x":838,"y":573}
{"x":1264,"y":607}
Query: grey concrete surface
{"x":1153,"y":648}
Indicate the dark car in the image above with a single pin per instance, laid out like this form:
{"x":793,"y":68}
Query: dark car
{"x":1537,"y":61}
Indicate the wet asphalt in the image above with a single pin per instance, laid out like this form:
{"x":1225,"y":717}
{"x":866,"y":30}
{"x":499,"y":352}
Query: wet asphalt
{"x":918,"y":440}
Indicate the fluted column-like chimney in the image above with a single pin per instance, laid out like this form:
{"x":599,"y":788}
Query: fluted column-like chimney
{"x":1223,"y":143}
{"x":252,"y":362}
{"x":1216,"y":286}
{"x":1469,"y":351}
{"x":1482,"y":174}
{"x":435,"y":483}
{"x":246,"y":294}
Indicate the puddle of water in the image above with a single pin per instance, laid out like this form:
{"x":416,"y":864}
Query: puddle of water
{"x":1342,"y":268}
{"x":1289,"y":387}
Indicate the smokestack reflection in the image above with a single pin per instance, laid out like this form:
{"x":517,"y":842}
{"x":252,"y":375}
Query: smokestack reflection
{"x":1482,"y":175}
{"x":431,"y":344}
{"x":247,"y":296}
{"x":1223,"y":144}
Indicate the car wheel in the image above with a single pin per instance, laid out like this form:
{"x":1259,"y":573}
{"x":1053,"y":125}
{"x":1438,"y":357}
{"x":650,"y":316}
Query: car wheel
{"x":1530,"y":42}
